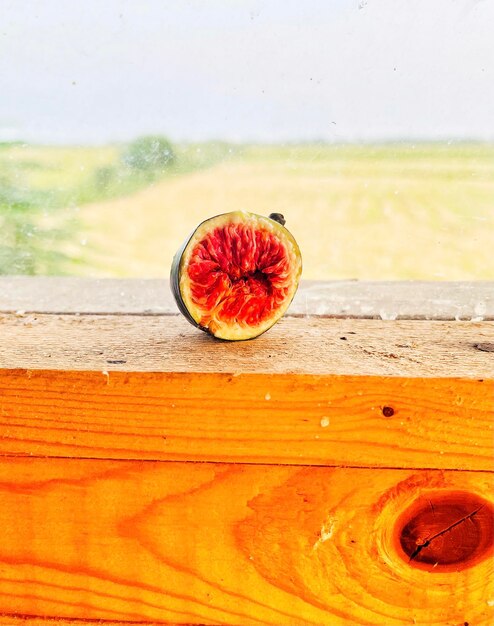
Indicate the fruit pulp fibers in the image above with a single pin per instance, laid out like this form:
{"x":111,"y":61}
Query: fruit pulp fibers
{"x":239,"y":273}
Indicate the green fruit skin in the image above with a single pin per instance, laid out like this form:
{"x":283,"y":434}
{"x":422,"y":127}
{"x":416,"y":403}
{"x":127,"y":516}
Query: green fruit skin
{"x":175,"y":283}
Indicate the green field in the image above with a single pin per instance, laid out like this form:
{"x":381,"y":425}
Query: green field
{"x":394,"y":211}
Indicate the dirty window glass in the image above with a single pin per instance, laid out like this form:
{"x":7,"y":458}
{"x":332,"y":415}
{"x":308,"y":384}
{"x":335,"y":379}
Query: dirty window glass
{"x":369,"y":124}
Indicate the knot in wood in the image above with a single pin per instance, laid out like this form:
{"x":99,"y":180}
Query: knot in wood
{"x":447,"y":531}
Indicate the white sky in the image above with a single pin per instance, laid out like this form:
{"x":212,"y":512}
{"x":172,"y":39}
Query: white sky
{"x":267,"y":70}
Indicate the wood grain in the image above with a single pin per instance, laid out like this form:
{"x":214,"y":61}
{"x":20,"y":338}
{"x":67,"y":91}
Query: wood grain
{"x":324,"y":420}
{"x":440,"y":300}
{"x":215,"y":544}
{"x":422,"y":349}
{"x":258,"y":534}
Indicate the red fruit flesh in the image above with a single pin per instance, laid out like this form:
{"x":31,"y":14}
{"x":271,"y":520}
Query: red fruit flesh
{"x":239,"y":273}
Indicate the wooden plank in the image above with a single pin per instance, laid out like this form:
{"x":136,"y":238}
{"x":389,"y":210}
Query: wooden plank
{"x":350,"y":299}
{"x":304,"y":419}
{"x":293,"y":346}
{"x":233,"y":544}
{"x":318,"y":397}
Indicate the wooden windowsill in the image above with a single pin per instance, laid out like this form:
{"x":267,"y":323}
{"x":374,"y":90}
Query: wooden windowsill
{"x":151,"y":474}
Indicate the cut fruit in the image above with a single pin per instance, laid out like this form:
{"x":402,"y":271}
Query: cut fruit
{"x":236,"y":274}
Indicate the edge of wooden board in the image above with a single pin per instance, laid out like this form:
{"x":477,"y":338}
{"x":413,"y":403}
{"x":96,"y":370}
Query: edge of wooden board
{"x":358,"y":421}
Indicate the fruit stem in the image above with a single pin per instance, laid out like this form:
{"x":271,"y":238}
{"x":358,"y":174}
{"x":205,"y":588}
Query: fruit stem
{"x":278,"y":217}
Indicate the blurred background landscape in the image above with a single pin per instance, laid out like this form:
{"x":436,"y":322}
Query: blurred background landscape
{"x":367,"y":124}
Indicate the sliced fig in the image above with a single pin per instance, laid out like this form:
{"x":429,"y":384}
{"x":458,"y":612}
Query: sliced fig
{"x":236,"y":275}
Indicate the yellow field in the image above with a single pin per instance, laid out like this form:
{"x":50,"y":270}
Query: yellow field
{"x":390,"y":212}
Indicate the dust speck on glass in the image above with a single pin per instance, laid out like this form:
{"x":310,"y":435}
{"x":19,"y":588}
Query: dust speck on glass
{"x":367,"y":123}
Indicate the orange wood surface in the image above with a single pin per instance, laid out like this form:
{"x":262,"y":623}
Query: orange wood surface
{"x":229,"y":543}
{"x":296,"y":419}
